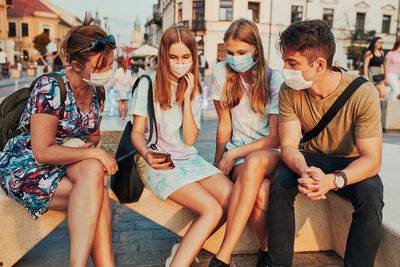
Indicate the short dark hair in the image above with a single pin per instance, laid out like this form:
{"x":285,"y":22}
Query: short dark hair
{"x":312,"y":38}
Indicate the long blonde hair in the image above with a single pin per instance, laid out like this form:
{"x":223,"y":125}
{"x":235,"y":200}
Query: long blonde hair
{"x":162,"y":85}
{"x":246,"y":31}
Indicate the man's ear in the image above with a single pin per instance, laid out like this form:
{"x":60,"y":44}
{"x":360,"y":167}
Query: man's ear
{"x":321,"y":64}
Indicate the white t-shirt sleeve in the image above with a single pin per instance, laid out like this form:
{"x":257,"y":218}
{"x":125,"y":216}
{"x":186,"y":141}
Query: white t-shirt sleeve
{"x":275,"y":84}
{"x":139,"y":99}
{"x":218,"y":79}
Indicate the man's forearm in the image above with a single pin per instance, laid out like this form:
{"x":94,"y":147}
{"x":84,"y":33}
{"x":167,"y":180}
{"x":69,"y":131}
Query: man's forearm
{"x":294,"y":159}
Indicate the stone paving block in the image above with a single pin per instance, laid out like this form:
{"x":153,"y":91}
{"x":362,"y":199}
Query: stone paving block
{"x":147,"y":225}
{"x":128,"y":236}
{"x":115,"y":236}
{"x":162,"y":234}
{"x":156,"y":244}
{"x":126,"y":247}
{"x":124,"y":226}
{"x":137,"y":258}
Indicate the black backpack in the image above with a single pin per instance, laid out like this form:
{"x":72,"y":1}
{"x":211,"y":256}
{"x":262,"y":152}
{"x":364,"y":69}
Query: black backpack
{"x":13,"y":106}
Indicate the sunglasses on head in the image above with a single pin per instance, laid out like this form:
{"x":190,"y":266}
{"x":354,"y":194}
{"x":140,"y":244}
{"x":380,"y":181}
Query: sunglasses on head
{"x":98,"y":45}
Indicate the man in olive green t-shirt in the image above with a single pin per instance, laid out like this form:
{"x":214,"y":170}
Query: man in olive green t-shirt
{"x":344,"y":157}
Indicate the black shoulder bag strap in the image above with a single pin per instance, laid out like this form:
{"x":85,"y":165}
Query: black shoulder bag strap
{"x":63,"y":94}
{"x":334,"y":109}
{"x":150,"y":106}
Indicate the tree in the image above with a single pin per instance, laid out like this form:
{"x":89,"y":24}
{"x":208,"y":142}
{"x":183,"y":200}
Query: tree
{"x":40,"y":42}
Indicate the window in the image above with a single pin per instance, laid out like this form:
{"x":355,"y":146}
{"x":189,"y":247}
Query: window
{"x":386,"y":23}
{"x":11,"y":29}
{"x":46,"y":29}
{"x":360,"y":22}
{"x":225,"y":10}
{"x":9,"y":2}
{"x":297,"y":14}
{"x":221,"y":52}
{"x":253,"y":12}
{"x":198,"y":10}
{"x":25,"y":31}
{"x":180,"y":8}
{"x":328,"y":16}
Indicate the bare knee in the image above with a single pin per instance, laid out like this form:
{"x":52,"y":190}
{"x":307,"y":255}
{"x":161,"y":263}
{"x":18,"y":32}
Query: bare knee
{"x":91,"y":172}
{"x":263,"y":195}
{"x":211,"y":209}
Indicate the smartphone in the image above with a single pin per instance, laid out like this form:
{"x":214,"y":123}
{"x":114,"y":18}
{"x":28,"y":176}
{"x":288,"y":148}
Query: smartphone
{"x":163,"y":154}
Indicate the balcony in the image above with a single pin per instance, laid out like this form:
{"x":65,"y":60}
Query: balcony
{"x":157,"y":18}
{"x":195,"y":25}
{"x":362,"y":36}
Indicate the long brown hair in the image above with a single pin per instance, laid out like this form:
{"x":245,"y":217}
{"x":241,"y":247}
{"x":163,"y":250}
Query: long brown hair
{"x":121,"y":62}
{"x":79,"y":38}
{"x":162,"y":85}
{"x":246,"y":31}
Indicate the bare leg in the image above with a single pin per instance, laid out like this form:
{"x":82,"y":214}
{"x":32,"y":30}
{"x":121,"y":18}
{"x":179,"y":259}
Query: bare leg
{"x":220,"y":188}
{"x":82,"y":191}
{"x":381,"y":90}
{"x":259,"y":215}
{"x":258,"y":164}
{"x":120,"y":108}
{"x":125,"y":103}
{"x":102,"y":252}
{"x":194,"y":197}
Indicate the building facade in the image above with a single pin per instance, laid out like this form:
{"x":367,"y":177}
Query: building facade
{"x":353,"y":22}
{"x":29,"y":18}
{"x":6,"y":45}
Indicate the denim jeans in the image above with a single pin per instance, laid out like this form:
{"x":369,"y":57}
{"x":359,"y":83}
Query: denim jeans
{"x":366,"y":227}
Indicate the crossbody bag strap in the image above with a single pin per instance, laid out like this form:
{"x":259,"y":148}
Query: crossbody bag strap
{"x":334,"y":109}
{"x":63,"y":94}
{"x":150,"y":106}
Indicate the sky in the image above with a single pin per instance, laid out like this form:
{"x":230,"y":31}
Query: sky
{"x":121,"y":13}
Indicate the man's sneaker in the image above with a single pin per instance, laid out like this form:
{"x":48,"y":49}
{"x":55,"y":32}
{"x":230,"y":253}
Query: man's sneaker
{"x":261,"y":254}
{"x":217,"y":263}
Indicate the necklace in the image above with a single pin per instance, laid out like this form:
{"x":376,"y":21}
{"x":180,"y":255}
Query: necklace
{"x":80,"y":98}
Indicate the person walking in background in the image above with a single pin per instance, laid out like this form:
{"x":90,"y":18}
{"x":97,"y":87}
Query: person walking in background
{"x":122,"y":84}
{"x":176,"y":170}
{"x":373,"y":65}
{"x":392,"y":71}
{"x":41,"y":63}
{"x":41,"y":171}
{"x":245,"y":94}
{"x":202,"y":64}
{"x":57,"y":62}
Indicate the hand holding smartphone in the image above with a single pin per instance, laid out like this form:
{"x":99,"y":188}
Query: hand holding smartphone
{"x":163,"y":155}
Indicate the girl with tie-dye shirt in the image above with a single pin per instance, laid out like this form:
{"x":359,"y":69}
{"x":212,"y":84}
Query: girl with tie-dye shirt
{"x":245,"y":94}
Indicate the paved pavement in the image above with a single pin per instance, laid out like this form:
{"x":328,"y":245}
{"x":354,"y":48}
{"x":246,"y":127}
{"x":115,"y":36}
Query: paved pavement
{"x":140,"y":242}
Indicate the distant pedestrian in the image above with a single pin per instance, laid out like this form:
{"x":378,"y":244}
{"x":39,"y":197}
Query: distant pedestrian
{"x":373,"y":65}
{"x":392,"y":71}
{"x":3,"y":57}
{"x":202,"y":64}
{"x":57,"y":62}
{"x":43,"y":171}
{"x":122,"y":86}
{"x":41,"y":63}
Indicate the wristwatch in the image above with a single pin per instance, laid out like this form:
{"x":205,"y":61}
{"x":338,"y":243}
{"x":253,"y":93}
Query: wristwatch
{"x":340,"y":180}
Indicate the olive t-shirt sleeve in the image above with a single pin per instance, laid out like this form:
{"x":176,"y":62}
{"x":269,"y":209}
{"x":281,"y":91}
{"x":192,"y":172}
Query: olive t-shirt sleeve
{"x":286,"y":105}
{"x":368,"y":119}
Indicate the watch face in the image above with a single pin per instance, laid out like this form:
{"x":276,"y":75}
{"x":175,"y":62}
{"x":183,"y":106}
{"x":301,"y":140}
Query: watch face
{"x":339,"y":181}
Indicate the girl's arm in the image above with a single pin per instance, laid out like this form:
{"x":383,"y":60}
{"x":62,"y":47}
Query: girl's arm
{"x":137,"y":137}
{"x":190,"y":131}
{"x":367,"y":58}
{"x":387,"y":62}
{"x":45,"y":151}
{"x":224,"y":131}
{"x":382,"y":67}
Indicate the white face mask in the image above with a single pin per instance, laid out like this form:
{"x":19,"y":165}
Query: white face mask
{"x":178,"y":70}
{"x":295,"y":80}
{"x":98,"y":78}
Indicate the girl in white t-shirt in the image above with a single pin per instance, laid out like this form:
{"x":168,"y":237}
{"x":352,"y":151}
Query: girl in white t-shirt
{"x":392,"y":71}
{"x":182,"y":175}
{"x":122,"y":85}
{"x":245,"y":94}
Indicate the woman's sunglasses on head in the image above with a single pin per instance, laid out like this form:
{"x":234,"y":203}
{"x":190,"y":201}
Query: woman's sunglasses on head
{"x":98,"y":45}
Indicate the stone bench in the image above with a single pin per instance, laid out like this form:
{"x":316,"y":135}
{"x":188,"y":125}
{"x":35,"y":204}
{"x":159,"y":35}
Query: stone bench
{"x":390,"y":114}
{"x":320,"y":225}
{"x":19,"y":232}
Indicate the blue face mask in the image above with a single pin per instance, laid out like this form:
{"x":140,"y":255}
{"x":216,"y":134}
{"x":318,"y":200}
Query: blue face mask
{"x":241,"y":63}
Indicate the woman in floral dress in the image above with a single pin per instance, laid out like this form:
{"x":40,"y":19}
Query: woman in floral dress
{"x":41,"y":173}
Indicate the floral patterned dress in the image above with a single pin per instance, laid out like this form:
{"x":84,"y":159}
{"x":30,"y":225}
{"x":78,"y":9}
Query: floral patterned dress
{"x":21,"y":178}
